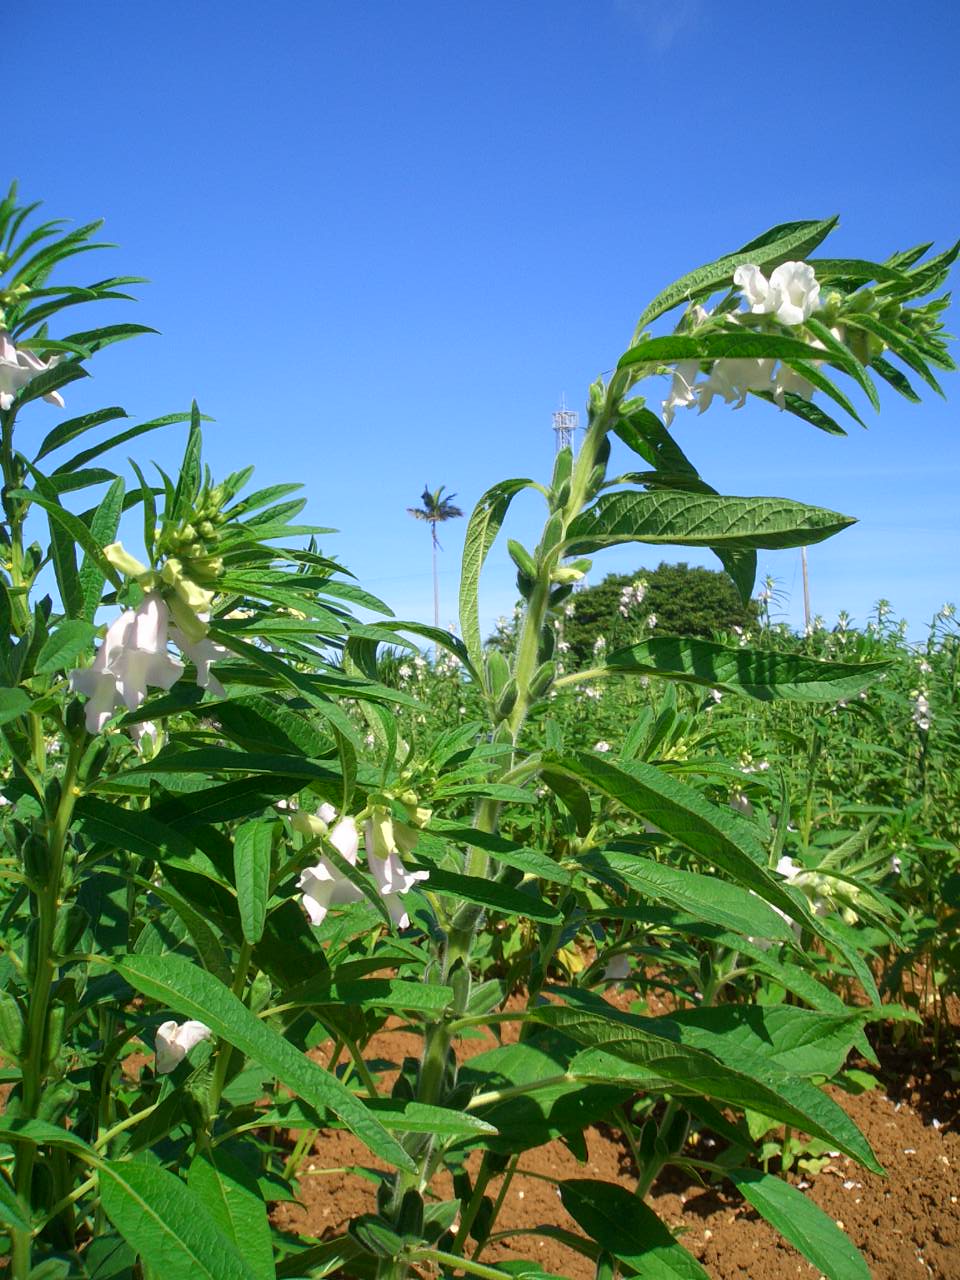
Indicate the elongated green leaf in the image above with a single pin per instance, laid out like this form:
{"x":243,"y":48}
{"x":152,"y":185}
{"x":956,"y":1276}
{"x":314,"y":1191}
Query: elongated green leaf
{"x":801,"y":1041}
{"x":532,"y":862}
{"x":87,"y":455}
{"x":61,"y":375}
{"x":64,"y":646}
{"x":13,"y":703}
{"x":801,"y":1222}
{"x":103,"y":530}
{"x":74,"y":427}
{"x":758,"y":673}
{"x":43,"y":1134}
{"x":13,"y":1212}
{"x":900,"y":344}
{"x":174,"y":1233}
{"x":700,"y":520}
{"x":396,"y":1114}
{"x":252,"y":846}
{"x":190,"y":991}
{"x":792,"y":240}
{"x":706,"y":897}
{"x":805,"y":409}
{"x":629,"y":1229}
{"x":369,"y":993}
{"x":482,"y":529}
{"x":843,"y":358}
{"x":891,"y":374}
{"x":78,"y":531}
{"x":230,"y":1194}
{"x":437,"y":636}
{"x":136,"y":832}
{"x":737,"y":344}
{"x":488,"y":893}
{"x":742,"y":1078}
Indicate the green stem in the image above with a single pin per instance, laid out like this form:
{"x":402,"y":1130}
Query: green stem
{"x":224,"y":1049}
{"x":451,"y":1260}
{"x":498,"y":1203}
{"x":484,"y":1175}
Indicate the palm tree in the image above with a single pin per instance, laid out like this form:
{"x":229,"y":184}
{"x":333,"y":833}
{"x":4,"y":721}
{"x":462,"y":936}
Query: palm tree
{"x":435,"y":510}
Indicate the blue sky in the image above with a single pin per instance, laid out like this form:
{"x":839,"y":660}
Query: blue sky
{"x":384,"y":238}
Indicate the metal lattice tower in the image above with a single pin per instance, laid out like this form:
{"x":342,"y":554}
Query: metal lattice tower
{"x":565,"y":423}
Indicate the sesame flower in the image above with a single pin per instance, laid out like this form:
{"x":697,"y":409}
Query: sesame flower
{"x":174,"y":1040}
{"x":19,"y":367}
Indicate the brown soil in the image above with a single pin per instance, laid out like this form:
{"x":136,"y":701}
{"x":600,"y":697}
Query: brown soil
{"x":906,"y":1225}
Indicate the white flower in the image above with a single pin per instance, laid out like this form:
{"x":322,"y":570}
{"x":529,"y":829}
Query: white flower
{"x":651,"y":620}
{"x":733,"y":379}
{"x":133,"y":656}
{"x":599,"y":644}
{"x":174,"y":1041}
{"x":683,"y":393}
{"x":404,"y":671}
{"x":617,"y":968}
{"x":392,"y":880}
{"x":896,"y":865}
{"x":323,"y":885}
{"x":791,"y":295}
{"x":716,"y":695}
{"x":602,"y":746}
{"x":921,"y":713}
{"x":202,"y":653}
{"x":740,"y":803}
{"x":798,"y":292}
{"x":17,"y":368}
{"x":788,"y":379}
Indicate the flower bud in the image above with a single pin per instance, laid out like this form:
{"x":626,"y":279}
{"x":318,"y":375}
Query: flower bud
{"x":566,"y":573}
{"x":123,"y":561}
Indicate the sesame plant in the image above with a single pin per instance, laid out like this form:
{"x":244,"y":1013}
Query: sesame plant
{"x":198,"y":745}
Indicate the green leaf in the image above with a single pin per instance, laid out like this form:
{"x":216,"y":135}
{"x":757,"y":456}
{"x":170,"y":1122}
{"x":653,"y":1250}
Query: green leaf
{"x":705,"y":897}
{"x":532,"y":862}
{"x":180,"y":985}
{"x":742,"y":1078}
{"x":805,"y":409}
{"x":801,"y":1041}
{"x":13,"y":1212}
{"x":188,"y":480}
{"x":764,"y":674}
{"x":791,"y":240}
{"x":78,"y":531}
{"x":482,"y":529}
{"x":43,"y":1134}
{"x":131,"y":433}
{"x":63,"y":647}
{"x":700,"y":520}
{"x":103,"y":530}
{"x":622,"y":1224}
{"x":134,"y":831}
{"x":229,"y":1192}
{"x":736,"y":344}
{"x":174,"y":1233}
{"x":801,"y":1222}
{"x":396,"y":1114}
{"x":61,"y":375}
{"x":13,"y":703}
{"x":252,"y":846}
{"x":371,"y":993}
{"x":488,"y":893}
{"x":74,"y":427}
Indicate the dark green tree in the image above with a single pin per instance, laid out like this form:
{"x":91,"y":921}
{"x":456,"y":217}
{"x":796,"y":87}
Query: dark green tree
{"x":684,"y":600}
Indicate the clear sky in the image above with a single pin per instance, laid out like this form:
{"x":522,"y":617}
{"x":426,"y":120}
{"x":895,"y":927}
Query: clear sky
{"x":384,"y":237}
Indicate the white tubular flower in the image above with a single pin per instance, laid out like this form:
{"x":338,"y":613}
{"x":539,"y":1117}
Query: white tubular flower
{"x":791,"y":295}
{"x":797,"y":290}
{"x":17,"y":368}
{"x":788,"y":379}
{"x":202,"y":653}
{"x":732,"y":380}
{"x":755,"y":287}
{"x":602,"y":746}
{"x":175,"y":1040}
{"x":392,"y":880}
{"x":740,"y":803}
{"x":683,"y":394}
{"x":132,"y":657}
{"x":617,"y":969}
{"x":323,"y":885}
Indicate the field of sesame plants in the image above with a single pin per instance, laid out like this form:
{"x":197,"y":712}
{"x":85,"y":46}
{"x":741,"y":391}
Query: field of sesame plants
{"x":354,"y":948}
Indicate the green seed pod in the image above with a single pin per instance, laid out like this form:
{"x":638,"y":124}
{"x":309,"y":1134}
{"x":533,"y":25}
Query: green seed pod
{"x":553,"y":532}
{"x":706,"y":970}
{"x":562,"y":468}
{"x":36,"y":861}
{"x":525,"y":584}
{"x":410,"y":1217}
{"x":559,"y":593}
{"x":56,"y":1020}
{"x":676,"y":1135}
{"x":75,"y":718}
{"x":56,"y":1101}
{"x":260,"y":990}
{"x":498,"y":671}
{"x":52,"y":793}
{"x":548,"y":643}
{"x":522,"y":558}
{"x":507,"y":700}
{"x":93,"y":760}
{"x":460,"y":982}
{"x":11,"y":1026}
{"x":72,"y":920}
{"x":543,"y":677}
{"x":31,"y":956}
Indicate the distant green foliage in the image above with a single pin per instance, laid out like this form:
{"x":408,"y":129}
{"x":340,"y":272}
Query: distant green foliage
{"x":685,"y":600}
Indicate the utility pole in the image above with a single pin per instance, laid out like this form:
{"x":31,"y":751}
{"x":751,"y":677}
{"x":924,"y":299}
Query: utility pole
{"x":807,"y":624}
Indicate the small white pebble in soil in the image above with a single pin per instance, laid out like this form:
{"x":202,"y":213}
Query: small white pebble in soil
{"x":909,"y":1151}
{"x":519,"y":1195}
{"x":839,"y":1224}
{"x":849,"y":1184}
{"x":707,"y":1234}
{"x":936,"y":1124}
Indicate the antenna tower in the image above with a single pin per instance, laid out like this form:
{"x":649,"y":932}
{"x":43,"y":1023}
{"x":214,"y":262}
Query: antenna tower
{"x":565,"y":423}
